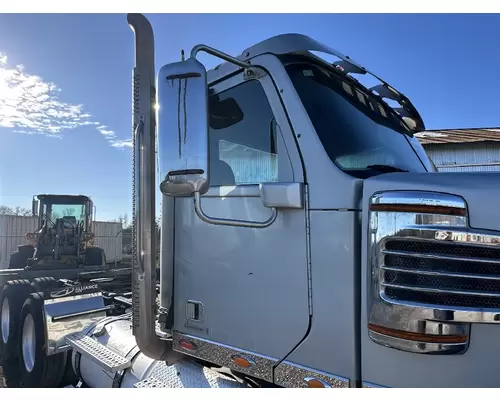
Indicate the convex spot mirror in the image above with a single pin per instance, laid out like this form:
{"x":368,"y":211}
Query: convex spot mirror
{"x":182,"y":117}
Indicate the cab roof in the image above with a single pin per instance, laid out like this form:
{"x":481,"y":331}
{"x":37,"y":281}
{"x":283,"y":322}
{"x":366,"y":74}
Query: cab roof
{"x":73,"y":198}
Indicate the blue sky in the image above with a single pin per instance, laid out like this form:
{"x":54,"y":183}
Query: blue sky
{"x":76,"y":78}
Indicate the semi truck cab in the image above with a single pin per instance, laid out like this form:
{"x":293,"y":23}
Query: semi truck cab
{"x":307,"y":240}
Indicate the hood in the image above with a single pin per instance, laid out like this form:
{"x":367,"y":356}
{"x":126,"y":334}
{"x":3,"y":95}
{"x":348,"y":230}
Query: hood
{"x":480,"y":190}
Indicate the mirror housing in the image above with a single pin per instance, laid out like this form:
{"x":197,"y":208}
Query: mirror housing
{"x":182,"y":115}
{"x":34,"y":207}
{"x":282,"y":195}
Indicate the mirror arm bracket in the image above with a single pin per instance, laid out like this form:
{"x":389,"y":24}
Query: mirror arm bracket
{"x":218,"y":54}
{"x":231,"y":222}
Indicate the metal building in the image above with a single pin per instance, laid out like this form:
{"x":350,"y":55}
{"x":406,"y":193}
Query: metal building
{"x":461,"y":150}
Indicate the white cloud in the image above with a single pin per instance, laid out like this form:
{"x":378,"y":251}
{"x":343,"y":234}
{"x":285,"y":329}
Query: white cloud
{"x":30,"y":105}
{"x":124,"y":143}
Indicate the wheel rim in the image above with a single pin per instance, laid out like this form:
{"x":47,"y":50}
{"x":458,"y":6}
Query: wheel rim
{"x":5,"y":325}
{"x":28,"y":343}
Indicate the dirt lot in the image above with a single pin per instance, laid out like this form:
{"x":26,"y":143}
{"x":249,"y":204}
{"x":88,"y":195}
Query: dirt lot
{"x":6,"y":381}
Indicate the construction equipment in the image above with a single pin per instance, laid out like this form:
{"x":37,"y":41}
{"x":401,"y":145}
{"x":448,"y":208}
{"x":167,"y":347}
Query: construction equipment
{"x":306,"y":239}
{"x":45,"y":277}
{"x":63,"y":236}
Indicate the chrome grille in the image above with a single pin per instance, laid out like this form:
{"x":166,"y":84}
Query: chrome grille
{"x":440,"y":274}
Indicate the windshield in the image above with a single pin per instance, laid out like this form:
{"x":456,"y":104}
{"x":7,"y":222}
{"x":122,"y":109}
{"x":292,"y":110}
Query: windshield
{"x":74,"y":213}
{"x":359,"y":133}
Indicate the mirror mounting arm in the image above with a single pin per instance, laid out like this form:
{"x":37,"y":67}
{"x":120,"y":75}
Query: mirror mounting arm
{"x":231,"y":222}
{"x":219,"y":54}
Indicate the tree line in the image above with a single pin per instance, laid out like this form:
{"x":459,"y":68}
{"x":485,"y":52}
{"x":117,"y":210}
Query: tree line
{"x":17,"y":211}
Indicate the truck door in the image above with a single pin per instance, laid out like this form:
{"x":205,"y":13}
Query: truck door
{"x":243,"y":290}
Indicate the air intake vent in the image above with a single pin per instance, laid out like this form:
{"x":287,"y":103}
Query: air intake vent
{"x":440,"y":274}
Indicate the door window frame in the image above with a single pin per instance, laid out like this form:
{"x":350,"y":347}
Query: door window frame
{"x":289,"y":163}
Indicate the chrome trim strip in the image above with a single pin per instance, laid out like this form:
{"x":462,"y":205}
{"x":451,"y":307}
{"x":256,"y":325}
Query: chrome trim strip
{"x":291,"y":375}
{"x":221,"y":354}
{"x":443,"y":257}
{"x":426,"y":289}
{"x":440,"y":273}
{"x":419,"y":198}
{"x":434,"y":229}
{"x":440,"y":313}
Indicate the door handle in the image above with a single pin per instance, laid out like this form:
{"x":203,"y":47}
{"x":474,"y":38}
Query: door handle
{"x":231,"y":222}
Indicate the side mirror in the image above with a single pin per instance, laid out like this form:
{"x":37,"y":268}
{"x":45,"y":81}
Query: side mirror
{"x":182,"y":115}
{"x":34,"y":208}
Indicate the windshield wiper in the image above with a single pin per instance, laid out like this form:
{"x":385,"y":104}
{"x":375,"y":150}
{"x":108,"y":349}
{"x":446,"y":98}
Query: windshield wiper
{"x":386,"y":168}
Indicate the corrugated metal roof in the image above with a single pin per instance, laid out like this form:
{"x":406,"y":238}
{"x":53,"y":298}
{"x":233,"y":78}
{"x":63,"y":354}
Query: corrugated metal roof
{"x":459,"y":135}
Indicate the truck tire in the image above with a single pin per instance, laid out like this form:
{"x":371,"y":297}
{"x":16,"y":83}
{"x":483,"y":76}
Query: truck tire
{"x":43,"y":284}
{"x":12,"y":299}
{"x":17,"y":261}
{"x":95,"y":256}
{"x":36,"y":369}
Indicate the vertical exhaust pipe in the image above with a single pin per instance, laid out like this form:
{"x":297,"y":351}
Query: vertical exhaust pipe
{"x":143,"y":203}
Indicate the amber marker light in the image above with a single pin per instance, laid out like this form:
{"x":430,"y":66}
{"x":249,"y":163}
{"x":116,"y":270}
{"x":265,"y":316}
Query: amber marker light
{"x":418,"y":337}
{"x":419,"y":208}
{"x":316,"y":383}
{"x":242,"y":362}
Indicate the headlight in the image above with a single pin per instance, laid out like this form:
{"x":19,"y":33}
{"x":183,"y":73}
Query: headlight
{"x":418,"y":267}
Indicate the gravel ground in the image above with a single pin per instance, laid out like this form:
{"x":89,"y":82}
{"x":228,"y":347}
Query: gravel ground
{"x":2,"y":380}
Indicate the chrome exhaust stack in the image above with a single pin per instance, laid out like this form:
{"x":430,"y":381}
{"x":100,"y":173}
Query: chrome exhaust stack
{"x":143,"y":206}
{"x":183,"y":156}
